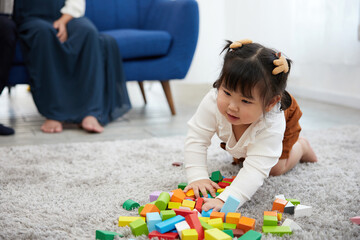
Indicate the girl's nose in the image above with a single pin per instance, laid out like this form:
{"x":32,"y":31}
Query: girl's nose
{"x":233,"y":107}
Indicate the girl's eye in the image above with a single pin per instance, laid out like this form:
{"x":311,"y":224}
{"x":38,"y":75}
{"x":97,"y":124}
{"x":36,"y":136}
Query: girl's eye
{"x":227,"y":93}
{"x":245,"y":101}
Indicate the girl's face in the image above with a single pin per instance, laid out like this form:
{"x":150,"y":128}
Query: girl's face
{"x":237,"y":109}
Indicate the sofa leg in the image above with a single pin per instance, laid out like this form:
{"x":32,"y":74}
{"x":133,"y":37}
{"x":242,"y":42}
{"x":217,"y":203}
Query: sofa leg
{"x":167,"y":90}
{"x":141,"y":85}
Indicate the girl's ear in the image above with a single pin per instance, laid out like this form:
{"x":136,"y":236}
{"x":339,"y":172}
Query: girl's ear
{"x":272,"y":103}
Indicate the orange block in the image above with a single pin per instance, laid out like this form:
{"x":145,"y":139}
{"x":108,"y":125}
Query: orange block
{"x":270,"y":213}
{"x":218,"y":215}
{"x":178,"y":195}
{"x":149,"y":208}
{"x":233,"y":218}
{"x":190,"y":193}
{"x":246,"y":224}
{"x":279,"y":205}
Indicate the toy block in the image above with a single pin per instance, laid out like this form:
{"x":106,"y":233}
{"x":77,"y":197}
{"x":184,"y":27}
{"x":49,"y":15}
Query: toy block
{"x":216,"y":176}
{"x":281,"y":196}
{"x":142,"y":207}
{"x":207,"y":213}
{"x":218,"y":215}
{"x":197,"y":213}
{"x":233,"y":217}
{"x":356,"y":220}
{"x":163,"y":236}
{"x":229,"y":232}
{"x":152,"y":219}
{"x":190,"y":193}
{"x":231,"y":205}
{"x":130,"y":205}
{"x":168,"y":224}
{"x":139,"y":227}
{"x":279,"y":205}
{"x":216,"y":223}
{"x":162,"y":201}
{"x":270,"y":220}
{"x":125,"y":221}
{"x":228,"y":180}
{"x":149,"y":208}
{"x":189,"y":198}
{"x":181,"y":226}
{"x":246,"y":224}
{"x":172,"y":205}
{"x":238,"y":232}
{"x":205,"y":225}
{"x":198,"y":204}
{"x":205,"y":219}
{"x":166,"y":214}
{"x":270,"y":213}
{"x":293,"y":201}
{"x":279,"y":216}
{"x":220,"y":190}
{"x":182,"y":185}
{"x":189,"y":234}
{"x":106,"y":235}
{"x":289,"y":208}
{"x":183,"y":212}
{"x":154,"y":196}
{"x":223,"y":184}
{"x":188,"y":203}
{"x":251,"y":235}
{"x":185,"y":208}
{"x":178,"y":195}
{"x":194,"y":223}
{"x":228,"y":226}
{"x":277,"y":230}
{"x":303,"y":210}
{"x":293,"y":225}
{"x":216,"y":234}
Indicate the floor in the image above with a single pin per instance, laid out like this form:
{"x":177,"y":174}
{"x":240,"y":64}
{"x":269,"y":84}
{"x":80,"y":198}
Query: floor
{"x":143,"y":121}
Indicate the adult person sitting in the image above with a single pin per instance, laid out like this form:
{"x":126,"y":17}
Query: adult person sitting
{"x":76,"y":74}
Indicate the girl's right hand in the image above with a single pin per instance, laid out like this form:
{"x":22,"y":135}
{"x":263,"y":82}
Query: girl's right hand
{"x":203,"y":186}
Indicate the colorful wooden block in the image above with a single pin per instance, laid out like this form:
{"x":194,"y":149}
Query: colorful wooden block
{"x":216,"y":223}
{"x":231,"y":205}
{"x":152,"y":219}
{"x":293,"y":225}
{"x":181,"y":226}
{"x":125,"y":221}
{"x":303,"y":210}
{"x":198,"y":204}
{"x":149,"y":208}
{"x":130,"y":205}
{"x":281,"y":196}
{"x":293,"y":201}
{"x":228,"y":226}
{"x":246,"y":224}
{"x":205,"y":225}
{"x":270,"y":220}
{"x":188,"y":203}
{"x":217,"y":215}
{"x":106,"y":235}
{"x":163,"y":236}
{"x":355,"y":220}
{"x":220,"y":190}
{"x":190,"y":193}
{"x":238,"y":232}
{"x":183,"y":212}
{"x":189,"y":234}
{"x":178,"y":195}
{"x":182,"y":185}
{"x":279,"y":205}
{"x":228,"y":180}
{"x":206,"y":213}
{"x":229,"y":232}
{"x":223,"y":184}
{"x":162,"y":201}
{"x":279,"y":216}
{"x":289,"y":208}
{"x":168,"y":224}
{"x":166,"y":214}
{"x":205,"y":219}
{"x":194,"y":223}
{"x":139,"y":227}
{"x":154,"y":196}
{"x":216,"y":176}
{"x":173,"y":205}
{"x":216,"y":234}
{"x":142,"y":207}
{"x":270,"y":213}
{"x":233,"y":217}
{"x":251,"y":235}
{"x":277,"y":230}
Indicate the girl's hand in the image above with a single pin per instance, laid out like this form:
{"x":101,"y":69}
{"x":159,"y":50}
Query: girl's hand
{"x":212,"y":203}
{"x":202,"y":186}
{"x":60,"y":25}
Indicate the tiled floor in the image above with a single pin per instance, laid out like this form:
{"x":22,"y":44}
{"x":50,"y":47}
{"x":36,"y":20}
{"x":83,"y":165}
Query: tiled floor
{"x":153,"y":120}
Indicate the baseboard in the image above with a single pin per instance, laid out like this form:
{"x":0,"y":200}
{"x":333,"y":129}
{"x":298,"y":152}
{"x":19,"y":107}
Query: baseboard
{"x":325,"y":96}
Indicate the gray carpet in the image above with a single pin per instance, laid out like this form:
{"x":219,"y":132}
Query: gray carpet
{"x":67,"y":191}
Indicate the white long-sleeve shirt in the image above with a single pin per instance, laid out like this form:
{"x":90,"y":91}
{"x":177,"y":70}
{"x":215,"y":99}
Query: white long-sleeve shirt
{"x":260,"y":145}
{"x":75,"y":8}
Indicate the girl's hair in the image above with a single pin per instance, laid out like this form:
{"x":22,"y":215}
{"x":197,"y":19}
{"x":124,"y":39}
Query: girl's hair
{"x":251,"y":65}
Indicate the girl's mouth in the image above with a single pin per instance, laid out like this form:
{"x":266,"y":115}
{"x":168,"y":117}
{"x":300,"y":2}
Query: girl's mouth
{"x":231,"y":117}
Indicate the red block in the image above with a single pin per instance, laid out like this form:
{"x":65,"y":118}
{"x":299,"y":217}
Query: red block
{"x":198,"y":204}
{"x":183,"y":212}
{"x":165,"y":236}
{"x":189,"y":198}
{"x":223,"y":184}
{"x":228,"y":180}
{"x":194,"y":223}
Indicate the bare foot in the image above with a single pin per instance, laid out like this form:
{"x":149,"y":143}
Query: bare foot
{"x":51,"y":126}
{"x":91,"y":124}
{"x":308,"y":153}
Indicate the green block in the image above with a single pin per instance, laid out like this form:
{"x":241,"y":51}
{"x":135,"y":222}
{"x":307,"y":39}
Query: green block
{"x":293,"y":201}
{"x":277,"y":230}
{"x":139,"y":227}
{"x":216,"y":176}
{"x":229,"y":226}
{"x":251,"y":235}
{"x":182,"y":185}
{"x":229,"y":232}
{"x":162,"y":201}
{"x":130,"y":205}
{"x":270,"y":221}
{"x":106,"y":235}
{"x":166,"y":214}
{"x":205,"y":225}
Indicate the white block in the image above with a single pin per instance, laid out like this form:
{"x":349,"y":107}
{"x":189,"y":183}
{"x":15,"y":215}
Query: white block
{"x":181,"y":226}
{"x":198,"y":214}
{"x":185,"y":208}
{"x":303,"y":210}
{"x":281,"y":196}
{"x":293,"y":225}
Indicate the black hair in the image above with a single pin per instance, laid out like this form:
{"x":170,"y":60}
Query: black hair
{"x":252,"y":65}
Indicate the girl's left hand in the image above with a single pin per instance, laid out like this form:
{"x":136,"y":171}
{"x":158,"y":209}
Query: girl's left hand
{"x":212,"y":203}
{"x":60,"y":25}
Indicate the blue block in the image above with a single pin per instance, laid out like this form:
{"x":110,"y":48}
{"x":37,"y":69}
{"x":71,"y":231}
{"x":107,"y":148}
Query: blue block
{"x":206,"y":213}
{"x":152,"y":219}
{"x":168,"y":224}
{"x":230,"y":205}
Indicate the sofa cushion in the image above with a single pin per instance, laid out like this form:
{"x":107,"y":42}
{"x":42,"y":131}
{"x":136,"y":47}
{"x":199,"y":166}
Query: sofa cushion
{"x":135,"y":43}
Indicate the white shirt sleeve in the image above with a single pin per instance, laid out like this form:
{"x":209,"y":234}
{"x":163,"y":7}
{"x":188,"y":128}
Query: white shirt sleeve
{"x":75,"y":8}
{"x":262,"y":155}
{"x":202,"y":127}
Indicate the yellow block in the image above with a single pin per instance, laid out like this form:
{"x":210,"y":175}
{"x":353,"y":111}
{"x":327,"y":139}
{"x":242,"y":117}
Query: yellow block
{"x":190,"y":193}
{"x":205,"y":219}
{"x":189,"y":234}
{"x":220,"y":190}
{"x":233,"y":218}
{"x":216,"y":223}
{"x":216,"y":234}
{"x":125,"y":221}
{"x":172,"y":205}
{"x":188,"y":203}
{"x":279,"y":216}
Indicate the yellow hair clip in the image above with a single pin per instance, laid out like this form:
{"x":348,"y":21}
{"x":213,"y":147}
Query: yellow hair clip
{"x":281,"y":65}
{"x":239,"y":43}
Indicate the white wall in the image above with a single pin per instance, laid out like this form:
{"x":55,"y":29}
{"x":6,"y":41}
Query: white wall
{"x":320,"y":36}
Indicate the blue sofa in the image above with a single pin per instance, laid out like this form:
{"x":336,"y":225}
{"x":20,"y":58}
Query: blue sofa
{"x":156,"y":38}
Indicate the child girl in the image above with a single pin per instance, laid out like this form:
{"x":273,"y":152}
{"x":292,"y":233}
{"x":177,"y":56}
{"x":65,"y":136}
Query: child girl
{"x":254,"y":116}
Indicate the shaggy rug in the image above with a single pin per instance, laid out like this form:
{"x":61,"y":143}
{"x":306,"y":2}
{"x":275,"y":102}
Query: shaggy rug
{"x":67,"y":191}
